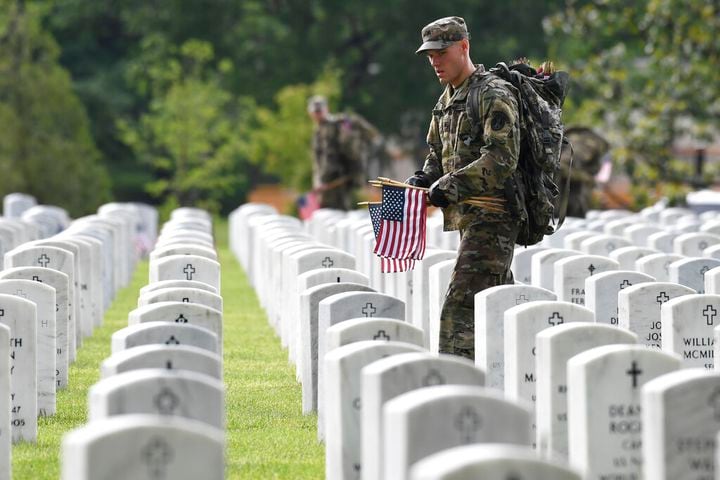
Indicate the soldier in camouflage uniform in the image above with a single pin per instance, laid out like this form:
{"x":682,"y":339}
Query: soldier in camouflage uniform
{"x":340,"y":148}
{"x":465,"y":162}
{"x":588,"y":150}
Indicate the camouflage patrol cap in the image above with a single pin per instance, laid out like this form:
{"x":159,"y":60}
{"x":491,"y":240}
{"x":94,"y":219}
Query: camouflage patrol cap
{"x":442,"y":33}
{"x":317,"y":103}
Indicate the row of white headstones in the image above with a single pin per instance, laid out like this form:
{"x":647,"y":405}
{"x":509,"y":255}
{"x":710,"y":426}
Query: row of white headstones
{"x":59,"y":278}
{"x":159,"y":409}
{"x":596,"y":363}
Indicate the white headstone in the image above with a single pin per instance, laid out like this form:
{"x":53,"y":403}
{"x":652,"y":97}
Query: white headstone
{"x":603,"y":245}
{"x":169,"y":357}
{"x":681,"y":418}
{"x":134,"y":447}
{"x":657,"y":265}
{"x":387,"y":378}
{"x":604,"y":407}
{"x":490,"y":306}
{"x":164,"y":333}
{"x":522,"y":263}
{"x":186,"y":267}
{"x":693,"y":244}
{"x":159,"y":391}
{"x":639,"y":309}
{"x":343,"y":403}
{"x":383,"y":329}
{"x":571,"y":272}
{"x":490,"y":462}
{"x":627,"y":256}
{"x":5,"y":403}
{"x":181,"y":294}
{"x":691,"y":271}
{"x":543,"y":266}
{"x":687,"y":328}
{"x":601,"y":292}
{"x":428,"y":420}
{"x":421,"y":287}
{"x":555,"y":346}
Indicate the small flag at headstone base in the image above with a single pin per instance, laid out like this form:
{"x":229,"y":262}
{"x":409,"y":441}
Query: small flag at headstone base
{"x":307,"y":203}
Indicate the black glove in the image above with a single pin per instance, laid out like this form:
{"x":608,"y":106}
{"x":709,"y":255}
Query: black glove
{"x":437,"y":196}
{"x":420,"y":179}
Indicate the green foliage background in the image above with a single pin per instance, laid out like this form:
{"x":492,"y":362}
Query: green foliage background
{"x":195,"y":102}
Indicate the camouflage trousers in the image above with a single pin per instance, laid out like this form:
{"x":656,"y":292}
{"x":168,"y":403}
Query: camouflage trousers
{"x":484,"y":257}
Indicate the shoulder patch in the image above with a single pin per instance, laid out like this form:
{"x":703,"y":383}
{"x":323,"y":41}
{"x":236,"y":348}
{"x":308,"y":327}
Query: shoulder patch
{"x":498,"y":120}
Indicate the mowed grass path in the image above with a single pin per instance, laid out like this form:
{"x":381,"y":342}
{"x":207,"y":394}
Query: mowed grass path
{"x":267,"y":436}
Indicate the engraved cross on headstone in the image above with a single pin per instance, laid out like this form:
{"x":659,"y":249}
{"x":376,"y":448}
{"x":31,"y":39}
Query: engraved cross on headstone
{"x":37,"y":279}
{"x":381,"y":335}
{"x":468,"y":423}
{"x":172,"y":341}
{"x":709,"y":314}
{"x":702,"y":245}
{"x":181,"y":319}
{"x":327,"y":262}
{"x":662,"y":298}
{"x":626,"y":283}
{"x":433,"y":377}
{"x":369,"y":310}
{"x":43,"y":260}
{"x":556,"y":319}
{"x":157,"y":454}
{"x":634,"y":372}
{"x":21,"y":293}
{"x":189,"y":270}
{"x":591,"y":269}
{"x":521,"y":299}
{"x":186,"y":300}
{"x":166,"y":401}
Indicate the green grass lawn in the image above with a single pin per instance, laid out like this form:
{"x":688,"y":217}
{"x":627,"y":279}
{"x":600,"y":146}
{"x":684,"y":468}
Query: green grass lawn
{"x":267,"y":436}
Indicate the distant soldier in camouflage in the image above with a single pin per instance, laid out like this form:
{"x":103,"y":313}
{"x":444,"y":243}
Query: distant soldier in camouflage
{"x":589,"y":148}
{"x":465,"y":162}
{"x":341,"y":145}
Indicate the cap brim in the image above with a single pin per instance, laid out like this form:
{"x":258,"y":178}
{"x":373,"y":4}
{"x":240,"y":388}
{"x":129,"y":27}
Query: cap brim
{"x":434,"y":45}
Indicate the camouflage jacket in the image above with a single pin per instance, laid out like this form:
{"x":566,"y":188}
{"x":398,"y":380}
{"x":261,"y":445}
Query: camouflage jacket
{"x":340,"y":147}
{"x":468,"y":165}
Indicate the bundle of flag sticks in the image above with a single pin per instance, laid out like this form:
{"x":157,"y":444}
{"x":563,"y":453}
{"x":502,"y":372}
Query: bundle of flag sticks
{"x":491,"y":204}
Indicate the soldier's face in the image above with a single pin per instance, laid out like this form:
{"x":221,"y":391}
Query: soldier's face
{"x":448,"y":63}
{"x":318,"y":114}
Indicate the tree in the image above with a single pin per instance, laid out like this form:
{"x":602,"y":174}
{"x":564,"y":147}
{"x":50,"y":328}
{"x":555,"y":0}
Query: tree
{"x":646,"y":71}
{"x":46,"y":148}
{"x":192,"y":130}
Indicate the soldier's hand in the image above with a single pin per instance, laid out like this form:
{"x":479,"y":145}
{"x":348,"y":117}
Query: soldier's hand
{"x":437,"y":196}
{"x":420,"y":179}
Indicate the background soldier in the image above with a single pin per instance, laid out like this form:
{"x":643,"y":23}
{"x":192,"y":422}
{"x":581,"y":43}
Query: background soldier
{"x":341,"y":146}
{"x":465,"y":162}
{"x":589,"y":148}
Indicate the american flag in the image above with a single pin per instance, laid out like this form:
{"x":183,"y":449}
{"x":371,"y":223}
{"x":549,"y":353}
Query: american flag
{"x":307,"y":204}
{"x":387,"y":265}
{"x":402,"y":228}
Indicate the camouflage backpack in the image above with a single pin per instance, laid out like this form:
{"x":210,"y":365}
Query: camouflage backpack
{"x":534,"y":188}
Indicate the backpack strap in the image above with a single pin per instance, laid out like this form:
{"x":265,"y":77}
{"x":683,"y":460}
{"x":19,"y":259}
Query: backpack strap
{"x":565,"y":193}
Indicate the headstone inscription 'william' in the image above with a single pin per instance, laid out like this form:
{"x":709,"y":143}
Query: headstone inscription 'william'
{"x":170,"y":357}
{"x":604,"y":407}
{"x":162,"y":392}
{"x":343,"y":458}
{"x":687,"y":328}
{"x":571,"y":272}
{"x":490,"y":306}
{"x":681,"y":418}
{"x":309,"y":305}
{"x":164,"y":333}
{"x":639,"y":309}
{"x":491,"y":461}
{"x":58,"y":281}
{"x":601,"y":292}
{"x":555,"y":346}
{"x":428,"y":420}
{"x":387,"y":378}
{"x":20,"y":316}
{"x":144,"y":447}
{"x":43,"y":296}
